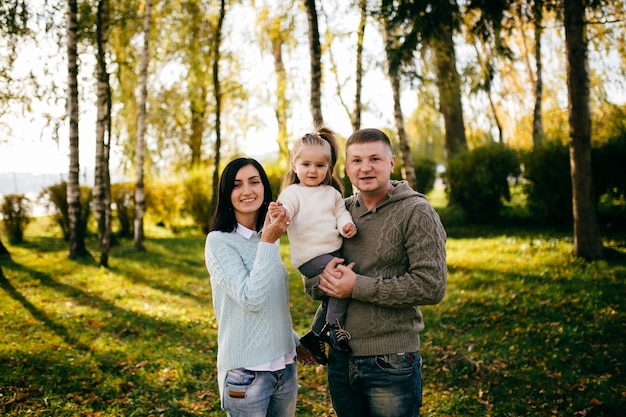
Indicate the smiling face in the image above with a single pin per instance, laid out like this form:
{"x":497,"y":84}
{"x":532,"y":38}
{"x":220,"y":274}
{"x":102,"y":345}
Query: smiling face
{"x":311,"y":165}
{"x":369,"y":166}
{"x":247,"y":195}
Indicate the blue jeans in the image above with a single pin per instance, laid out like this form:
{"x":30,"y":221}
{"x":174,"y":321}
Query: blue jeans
{"x":375,"y":386}
{"x":261,"y":393}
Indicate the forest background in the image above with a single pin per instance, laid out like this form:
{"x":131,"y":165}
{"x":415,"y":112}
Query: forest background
{"x":184,"y":86}
{"x":515,"y":107}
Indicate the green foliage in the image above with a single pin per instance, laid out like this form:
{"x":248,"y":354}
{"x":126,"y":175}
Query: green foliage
{"x":165,"y":203}
{"x":478,"y":180}
{"x":123,"y":199}
{"x":55,"y":198}
{"x":548,"y":183}
{"x":197,"y":196}
{"x":15,"y":216}
{"x":609,"y":177}
{"x":525,"y":329}
{"x":609,"y":169}
{"x":275,"y":175}
{"x":425,"y":174}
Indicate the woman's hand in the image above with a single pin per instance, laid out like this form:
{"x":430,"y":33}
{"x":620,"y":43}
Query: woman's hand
{"x":276,"y":222}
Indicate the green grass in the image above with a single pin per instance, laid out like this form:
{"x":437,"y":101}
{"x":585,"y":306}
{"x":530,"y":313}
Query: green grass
{"x":525,"y":329}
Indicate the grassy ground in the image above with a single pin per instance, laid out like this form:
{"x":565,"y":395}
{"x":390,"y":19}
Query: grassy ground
{"x":524,"y":330}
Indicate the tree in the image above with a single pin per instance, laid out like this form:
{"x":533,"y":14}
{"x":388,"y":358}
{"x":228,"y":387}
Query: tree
{"x":276,"y":35}
{"x":14,"y":17}
{"x":440,"y":39}
{"x":315,"y":51}
{"x":537,"y":115}
{"x":394,"y":51}
{"x":102,"y":186}
{"x":140,"y":196}
{"x":218,"y":100}
{"x":77,"y":234}
{"x":587,"y":240}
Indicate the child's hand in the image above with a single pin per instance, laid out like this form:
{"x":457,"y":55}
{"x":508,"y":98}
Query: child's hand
{"x":275,"y":209}
{"x":349,"y":230}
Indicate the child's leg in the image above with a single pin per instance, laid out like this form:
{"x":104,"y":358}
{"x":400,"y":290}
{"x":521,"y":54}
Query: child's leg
{"x":336,"y":310}
{"x":312,"y":268}
{"x":319,"y":321}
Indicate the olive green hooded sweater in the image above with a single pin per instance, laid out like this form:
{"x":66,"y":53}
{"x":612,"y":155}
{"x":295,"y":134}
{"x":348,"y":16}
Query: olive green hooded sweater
{"x":400,"y":261}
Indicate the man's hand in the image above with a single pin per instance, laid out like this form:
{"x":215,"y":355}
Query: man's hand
{"x":337,"y":280}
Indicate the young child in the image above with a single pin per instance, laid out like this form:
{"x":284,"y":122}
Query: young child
{"x":313,"y":198}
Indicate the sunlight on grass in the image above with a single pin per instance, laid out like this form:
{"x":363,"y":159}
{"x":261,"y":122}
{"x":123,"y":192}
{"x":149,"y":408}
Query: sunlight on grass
{"x":525,"y":329}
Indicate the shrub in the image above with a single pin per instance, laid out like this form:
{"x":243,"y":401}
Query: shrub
{"x":425,"y":174}
{"x":197,"y":197}
{"x":55,"y":197}
{"x":548,"y":183}
{"x":16,"y":215}
{"x":478,"y":180}
{"x":164,"y":202}
{"x":123,"y":199}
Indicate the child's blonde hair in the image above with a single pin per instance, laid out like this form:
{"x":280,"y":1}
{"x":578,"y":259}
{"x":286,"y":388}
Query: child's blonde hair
{"x":323,"y":137}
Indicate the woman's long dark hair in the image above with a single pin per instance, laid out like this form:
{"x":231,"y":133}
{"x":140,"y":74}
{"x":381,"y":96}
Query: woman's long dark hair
{"x":224,"y":216}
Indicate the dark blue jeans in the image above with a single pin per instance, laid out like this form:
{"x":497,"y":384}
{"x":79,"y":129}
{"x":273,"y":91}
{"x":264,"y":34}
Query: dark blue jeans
{"x":375,"y":386}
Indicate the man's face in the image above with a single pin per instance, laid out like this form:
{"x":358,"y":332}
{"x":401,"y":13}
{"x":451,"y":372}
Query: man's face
{"x":369,"y":167}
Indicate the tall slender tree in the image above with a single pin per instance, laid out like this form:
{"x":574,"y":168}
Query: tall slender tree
{"x":537,"y":9}
{"x":394,"y":51}
{"x":14,"y":16}
{"x":358,"y":72}
{"x":277,"y":37}
{"x":140,"y":196}
{"x":102,"y":187}
{"x":76,"y":231}
{"x":217,"y":90}
{"x":315,"y":50}
{"x":587,"y":240}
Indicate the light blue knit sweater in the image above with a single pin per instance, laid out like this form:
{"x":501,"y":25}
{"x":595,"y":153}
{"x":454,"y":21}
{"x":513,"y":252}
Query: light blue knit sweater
{"x":251,"y":301}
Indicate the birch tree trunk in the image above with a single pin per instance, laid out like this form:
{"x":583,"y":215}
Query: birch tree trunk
{"x":587,"y":241}
{"x":76,"y":231}
{"x":218,"y":101}
{"x":358,"y":106}
{"x":537,"y":117}
{"x":102,"y":187}
{"x":393,"y":72}
{"x":315,"y":50}
{"x":140,"y":197}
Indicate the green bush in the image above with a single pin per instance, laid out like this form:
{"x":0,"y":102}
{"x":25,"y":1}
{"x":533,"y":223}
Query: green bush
{"x":197,"y":197}
{"x":16,"y":215}
{"x":425,"y":174}
{"x":548,"y":183}
{"x":55,"y":197}
{"x":478,"y":180}
{"x":609,"y":179}
{"x":165,"y":202}
{"x":123,"y":199}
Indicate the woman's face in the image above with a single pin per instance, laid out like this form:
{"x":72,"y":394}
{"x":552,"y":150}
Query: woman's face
{"x":247,"y":194}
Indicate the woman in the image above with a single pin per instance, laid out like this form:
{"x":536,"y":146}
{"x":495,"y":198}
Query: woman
{"x":256,"y":356}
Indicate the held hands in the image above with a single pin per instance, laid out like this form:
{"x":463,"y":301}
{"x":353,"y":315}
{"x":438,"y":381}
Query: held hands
{"x":349,"y":230}
{"x":337,"y":280}
{"x":276,"y":222}
{"x":304,"y":356}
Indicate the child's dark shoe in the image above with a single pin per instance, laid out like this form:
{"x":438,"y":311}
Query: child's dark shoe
{"x":316,"y":346}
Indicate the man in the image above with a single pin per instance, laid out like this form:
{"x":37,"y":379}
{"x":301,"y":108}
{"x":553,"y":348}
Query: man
{"x":397,"y":263}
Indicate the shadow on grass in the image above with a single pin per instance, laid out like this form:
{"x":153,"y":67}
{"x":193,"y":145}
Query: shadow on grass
{"x":114,"y":360}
